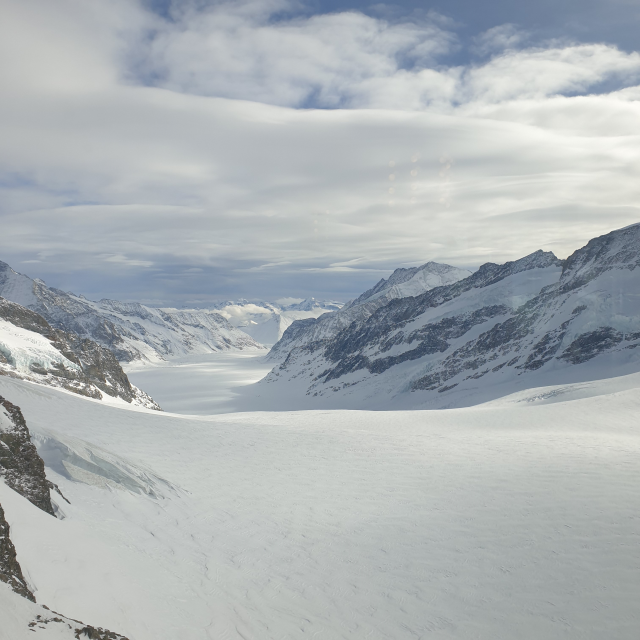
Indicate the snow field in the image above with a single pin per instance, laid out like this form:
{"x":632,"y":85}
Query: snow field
{"x":201,"y":384}
{"x":517,"y":520}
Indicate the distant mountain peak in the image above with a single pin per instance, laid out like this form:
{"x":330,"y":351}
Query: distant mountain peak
{"x":443,"y":274}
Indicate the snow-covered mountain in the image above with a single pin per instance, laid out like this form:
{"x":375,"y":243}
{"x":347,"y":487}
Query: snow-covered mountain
{"x":267,"y":321}
{"x":400,"y":284}
{"x":132,"y":331}
{"x":32,"y":350}
{"x":526,"y":323}
{"x":403,"y":283}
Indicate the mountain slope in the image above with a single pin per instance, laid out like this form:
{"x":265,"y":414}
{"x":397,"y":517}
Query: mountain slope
{"x":32,"y":350}
{"x":130,"y":330}
{"x":503,"y":328}
{"x":400,"y":284}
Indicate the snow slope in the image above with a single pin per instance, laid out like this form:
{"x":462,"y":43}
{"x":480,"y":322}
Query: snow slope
{"x":515,"y":519}
{"x":403,"y":283}
{"x":24,"y":619}
{"x":130,"y":330}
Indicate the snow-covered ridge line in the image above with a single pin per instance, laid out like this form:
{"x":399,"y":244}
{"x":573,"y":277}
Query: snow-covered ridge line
{"x":401,"y":283}
{"x":132,"y":331}
{"x":531,"y":322}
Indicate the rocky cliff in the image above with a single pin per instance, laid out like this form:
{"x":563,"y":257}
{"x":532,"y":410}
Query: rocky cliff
{"x":20,"y":465}
{"x":10,"y":570}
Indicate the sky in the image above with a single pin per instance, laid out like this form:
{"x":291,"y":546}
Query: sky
{"x":181,"y":152}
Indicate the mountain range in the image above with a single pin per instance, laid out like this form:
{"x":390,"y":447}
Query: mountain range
{"x":267,"y":321}
{"x":130,"y":330}
{"x":534,"y":321}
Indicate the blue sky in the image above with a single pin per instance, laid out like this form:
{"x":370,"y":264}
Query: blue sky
{"x":195,"y":151}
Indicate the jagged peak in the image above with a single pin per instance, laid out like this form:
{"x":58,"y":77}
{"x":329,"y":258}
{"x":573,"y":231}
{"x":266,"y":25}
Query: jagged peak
{"x":617,"y":249}
{"x":405,"y":274}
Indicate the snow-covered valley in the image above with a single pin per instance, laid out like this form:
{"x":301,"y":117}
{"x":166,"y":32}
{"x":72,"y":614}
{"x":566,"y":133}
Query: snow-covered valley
{"x":204,"y":384}
{"x":449,"y":455}
{"x":517,"y":518}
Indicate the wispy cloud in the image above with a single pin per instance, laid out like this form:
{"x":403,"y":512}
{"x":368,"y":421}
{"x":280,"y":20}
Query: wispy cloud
{"x":175,"y":145}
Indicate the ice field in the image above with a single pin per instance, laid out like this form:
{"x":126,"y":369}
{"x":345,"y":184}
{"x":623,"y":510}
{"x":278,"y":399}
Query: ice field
{"x":518,"y":518}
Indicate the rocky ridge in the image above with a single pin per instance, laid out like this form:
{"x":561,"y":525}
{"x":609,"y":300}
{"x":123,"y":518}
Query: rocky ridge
{"x":538,"y":315}
{"x":31,"y":349}
{"x":401,"y":283}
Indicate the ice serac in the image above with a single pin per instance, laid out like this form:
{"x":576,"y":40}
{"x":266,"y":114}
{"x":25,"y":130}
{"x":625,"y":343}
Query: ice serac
{"x":131,"y":331}
{"x":31,"y":349}
{"x":526,"y":323}
{"x":402,"y":283}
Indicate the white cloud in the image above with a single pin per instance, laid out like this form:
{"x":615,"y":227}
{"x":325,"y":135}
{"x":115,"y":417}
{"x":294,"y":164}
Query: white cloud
{"x":539,"y":73}
{"x":235,"y":50}
{"x":242,"y":195}
{"x":499,"y":39}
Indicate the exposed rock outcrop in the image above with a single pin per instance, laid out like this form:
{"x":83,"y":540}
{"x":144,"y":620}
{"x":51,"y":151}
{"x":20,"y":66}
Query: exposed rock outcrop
{"x":10,"y":570}
{"x":31,"y":349}
{"x":21,"y":466}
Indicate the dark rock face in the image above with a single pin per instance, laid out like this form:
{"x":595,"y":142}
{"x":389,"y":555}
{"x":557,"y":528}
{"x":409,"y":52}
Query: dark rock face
{"x":20,"y":465}
{"x":10,"y":570}
{"x":589,"y":345}
{"x":98,"y":371}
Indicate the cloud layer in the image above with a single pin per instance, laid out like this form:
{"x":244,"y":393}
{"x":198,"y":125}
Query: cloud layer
{"x":169,"y":159}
